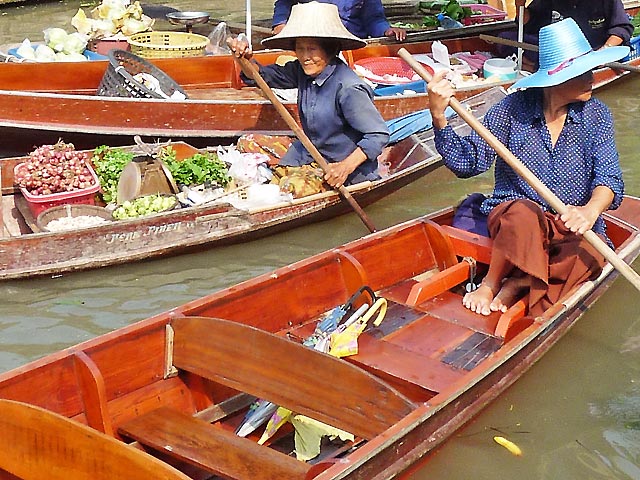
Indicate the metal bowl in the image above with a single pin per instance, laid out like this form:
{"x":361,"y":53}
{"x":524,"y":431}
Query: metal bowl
{"x":187,"y":18}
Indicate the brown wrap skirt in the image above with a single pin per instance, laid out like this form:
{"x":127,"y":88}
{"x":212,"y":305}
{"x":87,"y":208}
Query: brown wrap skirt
{"x":554,"y":258}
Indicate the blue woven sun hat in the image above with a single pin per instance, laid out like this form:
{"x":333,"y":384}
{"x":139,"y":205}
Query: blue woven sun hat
{"x":565,"y":53}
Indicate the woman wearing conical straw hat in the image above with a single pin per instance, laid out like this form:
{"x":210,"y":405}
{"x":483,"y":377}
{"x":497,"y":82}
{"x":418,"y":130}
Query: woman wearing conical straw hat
{"x":566,"y":139}
{"x":335,"y":106}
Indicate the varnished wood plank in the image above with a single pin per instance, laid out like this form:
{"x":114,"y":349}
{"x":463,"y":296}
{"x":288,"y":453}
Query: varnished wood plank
{"x":448,"y":306}
{"x":271,"y":367}
{"x":438,"y":283}
{"x":404,"y":364}
{"x":94,"y":397}
{"x":404,"y":254}
{"x":212,"y":448}
{"x":36,"y":444}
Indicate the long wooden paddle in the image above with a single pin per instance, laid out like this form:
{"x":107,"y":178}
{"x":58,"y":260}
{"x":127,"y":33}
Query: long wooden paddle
{"x":535,"y":48}
{"x":526,"y":174}
{"x":252,"y":71}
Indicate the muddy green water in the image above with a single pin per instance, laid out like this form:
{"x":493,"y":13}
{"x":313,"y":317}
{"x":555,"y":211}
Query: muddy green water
{"x":575,"y":414}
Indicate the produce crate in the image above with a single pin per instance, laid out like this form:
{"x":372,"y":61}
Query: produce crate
{"x":635,"y":49}
{"x":40,"y":203}
{"x":118,"y":80}
{"x":489,"y":14}
{"x":168,"y":44}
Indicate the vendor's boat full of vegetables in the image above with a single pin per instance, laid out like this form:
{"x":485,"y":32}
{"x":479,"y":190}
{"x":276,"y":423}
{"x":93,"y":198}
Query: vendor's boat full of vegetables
{"x":224,"y":196}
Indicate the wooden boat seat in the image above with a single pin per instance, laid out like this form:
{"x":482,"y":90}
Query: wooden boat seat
{"x":210,"y":447}
{"x":268,"y":366}
{"x":36,"y":443}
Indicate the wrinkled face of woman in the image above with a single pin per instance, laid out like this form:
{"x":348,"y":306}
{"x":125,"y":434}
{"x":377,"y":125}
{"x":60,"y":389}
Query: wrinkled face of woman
{"x":312,"y":56}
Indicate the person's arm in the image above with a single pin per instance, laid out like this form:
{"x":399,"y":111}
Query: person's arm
{"x":376,"y":21}
{"x":276,"y":76}
{"x":338,"y":172}
{"x":464,"y":156}
{"x":607,"y":184}
{"x":281,"y":12}
{"x":620,"y":28}
{"x":581,"y":219}
{"x":356,"y":105}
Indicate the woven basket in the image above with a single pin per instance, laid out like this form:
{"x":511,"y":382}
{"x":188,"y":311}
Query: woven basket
{"x":118,"y":79}
{"x":70,"y":210}
{"x":168,"y":44}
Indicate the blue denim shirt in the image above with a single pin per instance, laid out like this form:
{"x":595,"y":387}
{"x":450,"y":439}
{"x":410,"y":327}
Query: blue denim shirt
{"x":363,"y":18}
{"x":584,"y":156}
{"x":337,"y":114}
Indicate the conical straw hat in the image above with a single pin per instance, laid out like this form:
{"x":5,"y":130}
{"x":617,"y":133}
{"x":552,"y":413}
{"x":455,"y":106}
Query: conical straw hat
{"x":314,"y":20}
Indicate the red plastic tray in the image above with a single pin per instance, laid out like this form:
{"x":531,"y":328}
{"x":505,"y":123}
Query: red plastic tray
{"x":489,"y":14}
{"x":39,"y":203}
{"x":388,"y":70}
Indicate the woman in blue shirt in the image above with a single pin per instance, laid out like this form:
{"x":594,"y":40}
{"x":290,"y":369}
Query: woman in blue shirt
{"x":335,"y":106}
{"x":565,"y":137}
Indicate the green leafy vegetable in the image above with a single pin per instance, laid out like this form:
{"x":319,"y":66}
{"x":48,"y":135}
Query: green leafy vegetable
{"x":198,"y":169}
{"x":109,"y":163}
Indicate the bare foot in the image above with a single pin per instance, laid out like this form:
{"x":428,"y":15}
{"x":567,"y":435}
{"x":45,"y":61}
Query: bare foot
{"x":480,"y":300}
{"x":508,"y":294}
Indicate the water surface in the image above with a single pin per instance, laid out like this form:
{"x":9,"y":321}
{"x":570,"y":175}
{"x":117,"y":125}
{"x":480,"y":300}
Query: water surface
{"x":575,"y":414}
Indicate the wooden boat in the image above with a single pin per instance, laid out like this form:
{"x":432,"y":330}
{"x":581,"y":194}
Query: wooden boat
{"x":179,"y":383}
{"x":43,"y":102}
{"x":28,"y":251}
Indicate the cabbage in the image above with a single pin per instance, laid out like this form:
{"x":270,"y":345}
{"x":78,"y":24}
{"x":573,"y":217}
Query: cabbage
{"x":110,"y":9}
{"x":131,"y":26}
{"x":112,"y":17}
{"x":70,"y":57}
{"x":45,"y":53}
{"x":76,"y":57}
{"x":75,"y":43}
{"x":81,"y":23}
{"x":55,"y":38}
{"x":25,"y":50}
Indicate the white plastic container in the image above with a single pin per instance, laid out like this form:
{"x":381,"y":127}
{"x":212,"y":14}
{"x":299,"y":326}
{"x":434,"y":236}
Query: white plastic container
{"x":500,"y":69}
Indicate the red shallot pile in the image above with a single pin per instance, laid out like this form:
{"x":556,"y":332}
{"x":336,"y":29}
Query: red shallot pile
{"x":54,"y":169}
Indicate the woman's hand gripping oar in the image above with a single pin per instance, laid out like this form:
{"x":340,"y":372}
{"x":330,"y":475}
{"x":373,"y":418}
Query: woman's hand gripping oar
{"x":252,"y":71}
{"x":526,"y":174}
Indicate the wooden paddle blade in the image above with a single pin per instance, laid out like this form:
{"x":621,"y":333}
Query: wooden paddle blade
{"x":36,"y":443}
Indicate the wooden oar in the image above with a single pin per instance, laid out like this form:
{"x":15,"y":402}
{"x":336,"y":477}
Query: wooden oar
{"x":526,"y":174}
{"x":252,"y":71}
{"x":535,"y":48}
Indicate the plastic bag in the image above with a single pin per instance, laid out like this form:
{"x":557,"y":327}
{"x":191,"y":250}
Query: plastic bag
{"x":218,"y":40}
{"x":246,"y":167}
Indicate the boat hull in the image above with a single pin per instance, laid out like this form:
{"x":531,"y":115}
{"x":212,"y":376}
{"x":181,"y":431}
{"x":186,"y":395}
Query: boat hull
{"x":113,"y":382}
{"x":25,"y":254}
